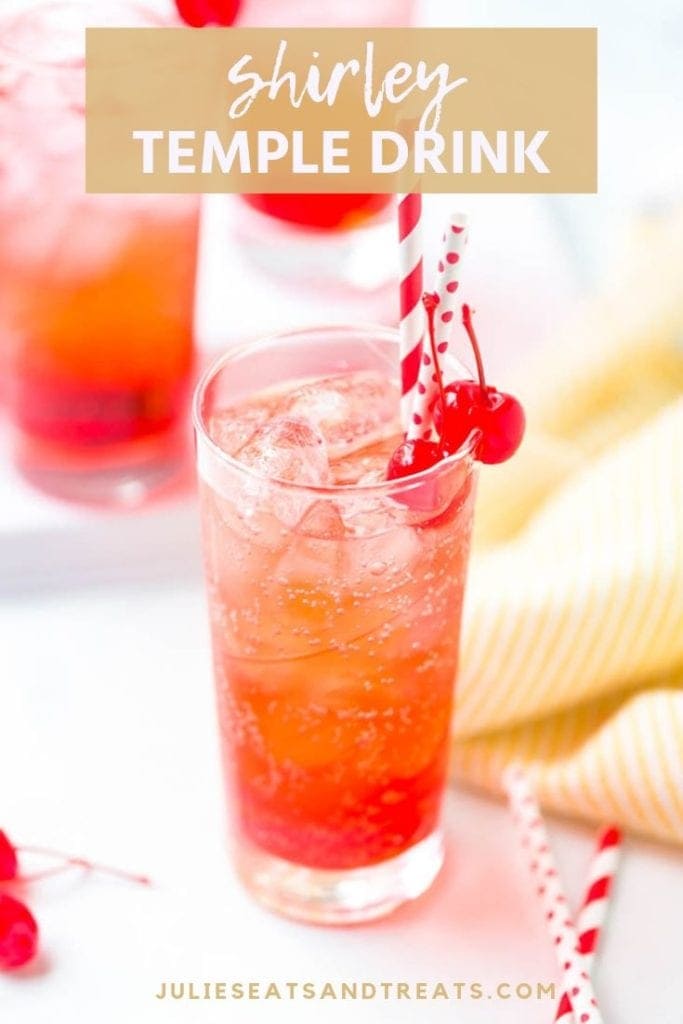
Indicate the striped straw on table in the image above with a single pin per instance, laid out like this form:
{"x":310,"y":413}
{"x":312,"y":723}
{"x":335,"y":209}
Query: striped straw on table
{"x":594,"y":908}
{"x":559,"y":923}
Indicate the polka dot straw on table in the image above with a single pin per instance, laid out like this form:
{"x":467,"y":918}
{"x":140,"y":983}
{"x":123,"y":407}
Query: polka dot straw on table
{"x":559,"y":923}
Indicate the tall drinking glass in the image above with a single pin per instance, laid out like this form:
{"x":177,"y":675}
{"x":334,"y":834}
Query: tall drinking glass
{"x":96,"y":291}
{"x":335,"y":600}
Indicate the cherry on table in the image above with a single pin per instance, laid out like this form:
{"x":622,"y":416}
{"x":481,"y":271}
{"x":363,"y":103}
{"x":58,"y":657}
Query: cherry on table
{"x":9,"y":863}
{"x":18,"y":933}
{"x":199,"y":13}
{"x":18,"y":928}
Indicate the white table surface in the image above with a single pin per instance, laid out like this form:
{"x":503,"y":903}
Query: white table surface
{"x":108,"y":748}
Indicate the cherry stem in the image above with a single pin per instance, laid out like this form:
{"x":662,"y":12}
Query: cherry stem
{"x":76,"y":862}
{"x":430,"y":301}
{"x":469,"y":327}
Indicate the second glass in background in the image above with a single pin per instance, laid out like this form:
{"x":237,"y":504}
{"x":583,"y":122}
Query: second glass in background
{"x":341,"y":243}
{"x":96,"y":292}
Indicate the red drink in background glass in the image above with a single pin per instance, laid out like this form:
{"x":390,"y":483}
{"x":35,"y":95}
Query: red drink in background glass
{"x":335,"y":602}
{"x":330,"y":212}
{"x":96,"y":292}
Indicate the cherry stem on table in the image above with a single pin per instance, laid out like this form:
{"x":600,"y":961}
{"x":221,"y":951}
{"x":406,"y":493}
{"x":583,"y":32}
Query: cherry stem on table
{"x":76,"y":862}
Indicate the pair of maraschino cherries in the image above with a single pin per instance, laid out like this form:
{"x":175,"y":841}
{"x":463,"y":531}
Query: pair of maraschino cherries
{"x":458,"y":410}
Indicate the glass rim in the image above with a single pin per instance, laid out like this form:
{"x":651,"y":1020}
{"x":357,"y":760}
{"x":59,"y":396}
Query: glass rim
{"x":465,"y":451}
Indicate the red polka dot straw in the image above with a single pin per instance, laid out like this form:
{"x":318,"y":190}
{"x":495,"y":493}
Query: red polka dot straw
{"x":558,"y":920}
{"x":594,"y":908}
{"x":447,"y":281}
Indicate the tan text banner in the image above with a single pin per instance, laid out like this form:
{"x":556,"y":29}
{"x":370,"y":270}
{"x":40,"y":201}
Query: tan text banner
{"x":341,"y":110}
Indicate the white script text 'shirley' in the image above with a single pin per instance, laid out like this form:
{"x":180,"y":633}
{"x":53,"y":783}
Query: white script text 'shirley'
{"x":397,"y":83}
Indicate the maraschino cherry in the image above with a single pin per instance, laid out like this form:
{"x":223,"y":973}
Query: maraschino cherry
{"x":199,"y":13}
{"x":9,"y":862}
{"x":412,"y":457}
{"x":461,"y":408}
{"x":18,"y":933}
{"x":474,"y":405}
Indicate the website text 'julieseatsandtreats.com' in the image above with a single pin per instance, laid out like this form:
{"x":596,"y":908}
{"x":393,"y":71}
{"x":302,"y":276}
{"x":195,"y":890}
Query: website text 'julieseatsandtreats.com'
{"x":367,"y":991}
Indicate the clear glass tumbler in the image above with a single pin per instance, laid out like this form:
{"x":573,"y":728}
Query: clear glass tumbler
{"x":96,"y":291}
{"x":335,"y":615}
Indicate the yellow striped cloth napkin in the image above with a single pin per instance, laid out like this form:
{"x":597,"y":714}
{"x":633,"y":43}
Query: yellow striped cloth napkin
{"x":572,"y":656}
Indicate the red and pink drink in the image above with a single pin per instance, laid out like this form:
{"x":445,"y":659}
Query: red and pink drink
{"x":335,"y":601}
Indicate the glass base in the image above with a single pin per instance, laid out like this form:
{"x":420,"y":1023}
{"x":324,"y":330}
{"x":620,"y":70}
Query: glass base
{"x":115,"y":478}
{"x":340,"y":897}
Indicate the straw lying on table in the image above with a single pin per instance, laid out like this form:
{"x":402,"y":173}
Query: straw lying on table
{"x":561,"y":928}
{"x":594,"y":908}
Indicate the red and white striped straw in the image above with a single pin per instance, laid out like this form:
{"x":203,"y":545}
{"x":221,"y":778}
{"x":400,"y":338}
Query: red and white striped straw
{"x":559,"y":923}
{"x":447,"y":283}
{"x":593,"y":912}
{"x":411,"y":323}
